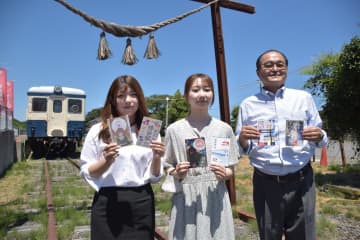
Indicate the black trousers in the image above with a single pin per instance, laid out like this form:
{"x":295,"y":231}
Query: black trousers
{"x":285,"y":206}
{"x":123,"y":213}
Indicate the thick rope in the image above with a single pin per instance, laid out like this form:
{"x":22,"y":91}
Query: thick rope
{"x":129,"y":31}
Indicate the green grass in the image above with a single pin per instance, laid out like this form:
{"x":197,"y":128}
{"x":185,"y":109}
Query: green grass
{"x":72,"y":198}
{"x":337,"y":193}
{"x":162,"y":199}
{"x":324,"y":228}
{"x":12,"y":213}
{"x":163,"y":205}
{"x":68,"y":218}
{"x":329,"y":209}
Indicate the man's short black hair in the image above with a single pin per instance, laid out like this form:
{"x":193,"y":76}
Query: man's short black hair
{"x":267,"y":51}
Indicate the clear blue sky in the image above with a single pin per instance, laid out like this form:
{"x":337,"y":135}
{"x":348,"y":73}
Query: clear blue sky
{"x":42,"y":43}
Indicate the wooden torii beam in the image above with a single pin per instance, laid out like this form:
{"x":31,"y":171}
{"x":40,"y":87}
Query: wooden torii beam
{"x":221,"y":67}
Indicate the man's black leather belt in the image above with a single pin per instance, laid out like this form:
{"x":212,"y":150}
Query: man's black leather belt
{"x":291,"y":177}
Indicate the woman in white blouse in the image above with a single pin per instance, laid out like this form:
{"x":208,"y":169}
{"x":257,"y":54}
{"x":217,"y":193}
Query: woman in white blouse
{"x":123,"y":204}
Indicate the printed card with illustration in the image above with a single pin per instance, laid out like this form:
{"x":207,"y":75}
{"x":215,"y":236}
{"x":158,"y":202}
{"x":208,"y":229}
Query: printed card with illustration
{"x":267,"y":132}
{"x":149,"y":130}
{"x":293,"y":132}
{"x":220,"y":151}
{"x":196,"y":152}
{"x":120,"y":130}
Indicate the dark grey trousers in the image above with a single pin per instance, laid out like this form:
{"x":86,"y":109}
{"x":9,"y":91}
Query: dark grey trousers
{"x":285,"y":208}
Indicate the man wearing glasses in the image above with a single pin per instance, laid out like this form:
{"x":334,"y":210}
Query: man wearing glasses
{"x":279,"y":129}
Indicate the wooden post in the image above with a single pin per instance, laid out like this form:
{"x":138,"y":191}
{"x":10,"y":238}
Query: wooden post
{"x":221,"y":66}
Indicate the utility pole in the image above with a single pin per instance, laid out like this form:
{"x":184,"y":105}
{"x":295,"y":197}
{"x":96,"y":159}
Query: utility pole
{"x":167,"y":112}
{"x":221,"y":66}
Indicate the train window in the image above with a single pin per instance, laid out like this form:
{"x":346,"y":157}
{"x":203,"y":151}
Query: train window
{"x":57,"y":106}
{"x":74,"y":106}
{"x":39,"y":104}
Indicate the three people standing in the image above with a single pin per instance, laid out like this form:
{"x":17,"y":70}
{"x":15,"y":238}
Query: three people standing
{"x":283,"y":180}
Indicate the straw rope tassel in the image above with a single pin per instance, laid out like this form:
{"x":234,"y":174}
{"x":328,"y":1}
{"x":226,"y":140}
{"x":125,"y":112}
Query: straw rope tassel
{"x":129,"y":56}
{"x":103,"y":50}
{"x":152,"y":50}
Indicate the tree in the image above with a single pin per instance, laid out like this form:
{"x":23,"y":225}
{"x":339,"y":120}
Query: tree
{"x":233,"y":117}
{"x":336,"y":78}
{"x":175,"y":106}
{"x":18,"y":124}
{"x":157,"y":106}
{"x":349,"y":86}
{"x":178,"y":107}
{"x":92,"y":116}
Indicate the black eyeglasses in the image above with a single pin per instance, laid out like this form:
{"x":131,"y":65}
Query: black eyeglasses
{"x":270,"y":64}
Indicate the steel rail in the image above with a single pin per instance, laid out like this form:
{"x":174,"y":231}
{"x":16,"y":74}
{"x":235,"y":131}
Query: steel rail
{"x":51,"y":226}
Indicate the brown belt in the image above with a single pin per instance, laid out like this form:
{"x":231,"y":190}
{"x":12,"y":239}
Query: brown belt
{"x":291,"y":177}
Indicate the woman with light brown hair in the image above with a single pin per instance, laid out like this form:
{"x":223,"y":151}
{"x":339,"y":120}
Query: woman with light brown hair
{"x":123,"y":204}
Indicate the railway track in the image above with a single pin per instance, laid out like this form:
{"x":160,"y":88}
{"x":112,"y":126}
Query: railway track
{"x":27,"y":205}
{"x":51,"y":229}
{"x":242,"y":215}
{"x":26,"y":209}
{"x":53,"y":174}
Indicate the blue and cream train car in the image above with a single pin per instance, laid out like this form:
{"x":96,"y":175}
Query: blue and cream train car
{"x":55,"y":119}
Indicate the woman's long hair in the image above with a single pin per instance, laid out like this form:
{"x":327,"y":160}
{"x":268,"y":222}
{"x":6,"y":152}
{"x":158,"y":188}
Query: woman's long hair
{"x":109,"y":110}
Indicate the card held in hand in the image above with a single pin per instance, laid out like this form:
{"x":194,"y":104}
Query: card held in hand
{"x":220,"y":150}
{"x":120,"y":130}
{"x":293,"y":132}
{"x":267,"y":132}
{"x":196,"y":152}
{"x":149,"y":131}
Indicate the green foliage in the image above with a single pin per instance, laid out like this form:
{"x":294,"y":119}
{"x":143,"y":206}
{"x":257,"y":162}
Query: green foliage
{"x":18,"y":124}
{"x":322,"y":73}
{"x":336,"y":78}
{"x":325,"y":229}
{"x":349,"y":86}
{"x":175,"y":105}
{"x":162,"y":199}
{"x":233,"y":117}
{"x":92,"y":116}
{"x":157,"y":107}
{"x":178,"y":108}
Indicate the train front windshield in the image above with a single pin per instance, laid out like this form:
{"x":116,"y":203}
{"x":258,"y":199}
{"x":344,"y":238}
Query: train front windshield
{"x":39,"y":104}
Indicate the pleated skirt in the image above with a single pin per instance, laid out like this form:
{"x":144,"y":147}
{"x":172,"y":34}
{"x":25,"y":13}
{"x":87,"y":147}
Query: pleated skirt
{"x":123,"y":213}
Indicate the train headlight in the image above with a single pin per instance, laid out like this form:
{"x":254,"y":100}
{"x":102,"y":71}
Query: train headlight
{"x":32,"y":131}
{"x":57,"y":90}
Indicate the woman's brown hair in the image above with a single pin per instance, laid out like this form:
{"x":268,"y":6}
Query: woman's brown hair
{"x":109,"y":110}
